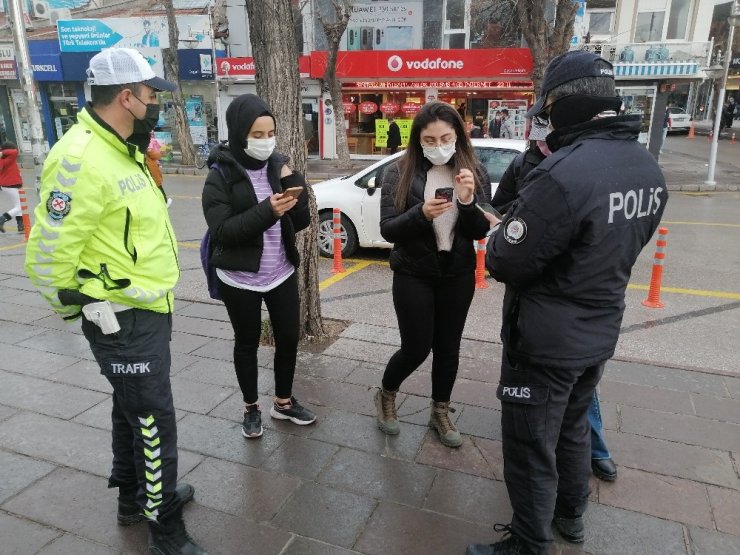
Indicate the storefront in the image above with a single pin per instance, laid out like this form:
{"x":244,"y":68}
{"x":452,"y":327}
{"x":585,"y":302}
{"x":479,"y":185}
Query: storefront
{"x":379,"y":84}
{"x":8,"y":83}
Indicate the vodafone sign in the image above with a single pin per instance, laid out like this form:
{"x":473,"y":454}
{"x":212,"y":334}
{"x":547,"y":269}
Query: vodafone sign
{"x":428,"y":64}
{"x":244,"y":67}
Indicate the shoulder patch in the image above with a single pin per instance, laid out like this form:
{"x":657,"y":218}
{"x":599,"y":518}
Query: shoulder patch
{"x":515,"y":230}
{"x":58,"y":205}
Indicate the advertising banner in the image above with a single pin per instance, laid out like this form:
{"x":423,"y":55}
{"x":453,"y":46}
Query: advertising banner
{"x":92,"y":35}
{"x":381,"y":131}
{"x":384,"y":26}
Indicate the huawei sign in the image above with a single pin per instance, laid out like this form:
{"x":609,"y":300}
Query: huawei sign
{"x":396,"y":63}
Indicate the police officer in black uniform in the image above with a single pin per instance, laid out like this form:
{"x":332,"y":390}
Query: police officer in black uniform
{"x":565,"y":253}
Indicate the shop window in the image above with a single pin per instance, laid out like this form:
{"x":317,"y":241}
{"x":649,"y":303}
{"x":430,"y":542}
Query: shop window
{"x":659,"y":20}
{"x":455,"y":33}
{"x":599,"y":19}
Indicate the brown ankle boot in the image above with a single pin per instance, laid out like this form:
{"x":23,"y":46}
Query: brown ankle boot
{"x":440,"y":421}
{"x":385,"y":403}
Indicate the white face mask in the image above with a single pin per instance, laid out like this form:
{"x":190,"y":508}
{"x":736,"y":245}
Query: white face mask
{"x":260,"y":149}
{"x":439,"y":155}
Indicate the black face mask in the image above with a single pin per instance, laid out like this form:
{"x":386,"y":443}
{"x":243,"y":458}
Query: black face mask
{"x":151,"y":117}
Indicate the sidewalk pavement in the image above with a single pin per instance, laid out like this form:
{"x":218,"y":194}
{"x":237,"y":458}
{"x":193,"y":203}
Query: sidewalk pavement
{"x":340,"y":486}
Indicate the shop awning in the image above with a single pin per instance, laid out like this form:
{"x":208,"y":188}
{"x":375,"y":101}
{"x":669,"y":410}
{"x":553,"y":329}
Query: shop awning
{"x":659,"y":69}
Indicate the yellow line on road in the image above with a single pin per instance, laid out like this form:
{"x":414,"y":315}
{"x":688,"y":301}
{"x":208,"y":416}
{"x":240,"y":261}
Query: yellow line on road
{"x":716,"y":224}
{"x":11,"y":247}
{"x":185,"y":197}
{"x":188,"y":244}
{"x":693,"y":292}
{"x":338,"y":277}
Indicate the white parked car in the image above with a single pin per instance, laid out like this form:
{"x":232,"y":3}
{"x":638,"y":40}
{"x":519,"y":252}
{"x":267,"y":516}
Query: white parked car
{"x":680,"y":121}
{"x":359,"y":200}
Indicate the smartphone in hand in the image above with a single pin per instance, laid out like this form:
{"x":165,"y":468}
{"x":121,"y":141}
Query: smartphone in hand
{"x":485,"y":207}
{"x":444,"y":193}
{"x":294,"y":192}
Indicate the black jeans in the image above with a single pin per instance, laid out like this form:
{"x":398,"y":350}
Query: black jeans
{"x":245,"y":312}
{"x":136,"y":362}
{"x":546,"y":444}
{"x":431,"y":316}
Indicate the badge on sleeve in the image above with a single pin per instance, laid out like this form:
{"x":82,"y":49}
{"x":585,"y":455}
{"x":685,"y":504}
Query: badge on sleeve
{"x":58,"y":205}
{"x":515,"y":231}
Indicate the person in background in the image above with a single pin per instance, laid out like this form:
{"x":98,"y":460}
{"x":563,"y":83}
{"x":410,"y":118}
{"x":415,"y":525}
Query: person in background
{"x":666,"y":126}
{"x":253,"y":224}
{"x":494,"y":126}
{"x":565,"y":252}
{"x":103,"y":244}
{"x":394,"y":135}
{"x":427,"y":210}
{"x":507,"y":126}
{"x":10,"y":182}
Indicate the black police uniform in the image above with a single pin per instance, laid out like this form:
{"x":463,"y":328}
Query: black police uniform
{"x":565,"y":254}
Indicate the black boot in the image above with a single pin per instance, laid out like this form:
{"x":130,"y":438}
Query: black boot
{"x":129,"y":511}
{"x":19,"y":221}
{"x":169,"y":537}
{"x":4,"y":218}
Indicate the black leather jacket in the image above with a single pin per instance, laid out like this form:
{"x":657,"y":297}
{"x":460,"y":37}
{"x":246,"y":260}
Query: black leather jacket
{"x":414,"y":243}
{"x":237,"y":221}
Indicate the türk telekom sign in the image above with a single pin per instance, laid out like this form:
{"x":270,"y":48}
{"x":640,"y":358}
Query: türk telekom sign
{"x":244,"y":68}
{"x":428,"y":64}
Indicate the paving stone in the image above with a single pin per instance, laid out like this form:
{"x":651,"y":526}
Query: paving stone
{"x":465,"y":458}
{"x":673,"y":459}
{"x":477,"y":394}
{"x":85,"y":374}
{"x":338,"y":395}
{"x":240,"y":490}
{"x":68,"y":544}
{"x":196,"y":396}
{"x":6,"y":412}
{"x":726,"y":508}
{"x":53,"y":399}
{"x":469,"y":497}
{"x":646,"y":397}
{"x":400,"y":529}
{"x":416,"y":410}
{"x":14,"y":332}
{"x":24,"y":314}
{"x":492,"y":452}
{"x":59,"y":342}
{"x":360,"y":350}
{"x":322,"y":366}
{"x":33,"y":362}
{"x":207,"y":311}
{"x":717,"y":408}
{"x":482,"y":350}
{"x":19,"y":472}
{"x":305,"y":546}
{"x":361,"y":432}
{"x":609,"y":415}
{"x":612,"y":531}
{"x":419,"y":383}
{"x":300,"y":457}
{"x":709,"y":542}
{"x":378,"y":477}
{"x":180,"y":361}
{"x":54,"y":322}
{"x":21,"y":537}
{"x":681,"y":427}
{"x":224,"y":534}
{"x":187,"y":342}
{"x":59,"y":441}
{"x":365,"y":375}
{"x":664,"y":378}
{"x":203,"y":327}
{"x":326,"y":514}
{"x":733,"y":387}
{"x":480,"y":422}
{"x":29,"y":298}
{"x":51,"y":499}
{"x":481,"y":370}
{"x":221,"y":372}
{"x":372,"y":333}
{"x":222,"y":349}
{"x":223,"y":439}
{"x":20,"y":282}
{"x":665,"y":497}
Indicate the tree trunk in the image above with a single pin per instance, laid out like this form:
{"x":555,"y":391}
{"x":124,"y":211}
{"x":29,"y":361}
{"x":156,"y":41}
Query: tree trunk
{"x":278,"y":83}
{"x":334,"y":30}
{"x":172,"y":73}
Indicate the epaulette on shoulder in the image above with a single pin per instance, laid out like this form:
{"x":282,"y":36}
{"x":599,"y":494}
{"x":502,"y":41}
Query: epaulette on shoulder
{"x":78,"y":144}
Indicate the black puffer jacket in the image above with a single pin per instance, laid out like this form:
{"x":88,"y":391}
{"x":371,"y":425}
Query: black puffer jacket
{"x":567,"y":249}
{"x":414,"y":243}
{"x":237,"y":221}
{"x":514,"y":176}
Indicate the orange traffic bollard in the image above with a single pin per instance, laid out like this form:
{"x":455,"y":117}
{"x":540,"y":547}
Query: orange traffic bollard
{"x":24,"y":211}
{"x":691,"y":132}
{"x":732,"y":141}
{"x":653,"y":298}
{"x":337,"y":220}
{"x":480,"y":264}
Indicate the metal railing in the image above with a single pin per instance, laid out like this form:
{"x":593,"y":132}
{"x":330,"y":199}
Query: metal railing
{"x":652,"y":52}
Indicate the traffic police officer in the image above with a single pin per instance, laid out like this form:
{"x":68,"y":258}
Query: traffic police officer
{"x":565,"y":252}
{"x":102,"y":233}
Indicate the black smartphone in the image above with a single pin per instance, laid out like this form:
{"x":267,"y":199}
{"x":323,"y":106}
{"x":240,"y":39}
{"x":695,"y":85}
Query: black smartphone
{"x":485,"y":207}
{"x":444,"y":193}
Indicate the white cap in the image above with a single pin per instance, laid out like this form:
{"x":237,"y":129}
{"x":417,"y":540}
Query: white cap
{"x":121,"y":66}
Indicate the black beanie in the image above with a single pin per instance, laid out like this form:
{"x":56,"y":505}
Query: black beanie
{"x":240,"y":116}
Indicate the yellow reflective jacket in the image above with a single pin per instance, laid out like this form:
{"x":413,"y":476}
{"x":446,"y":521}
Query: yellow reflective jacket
{"x":102,"y":225}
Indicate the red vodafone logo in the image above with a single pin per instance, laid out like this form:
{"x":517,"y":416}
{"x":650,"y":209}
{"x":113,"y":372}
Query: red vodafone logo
{"x":395,"y":63}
